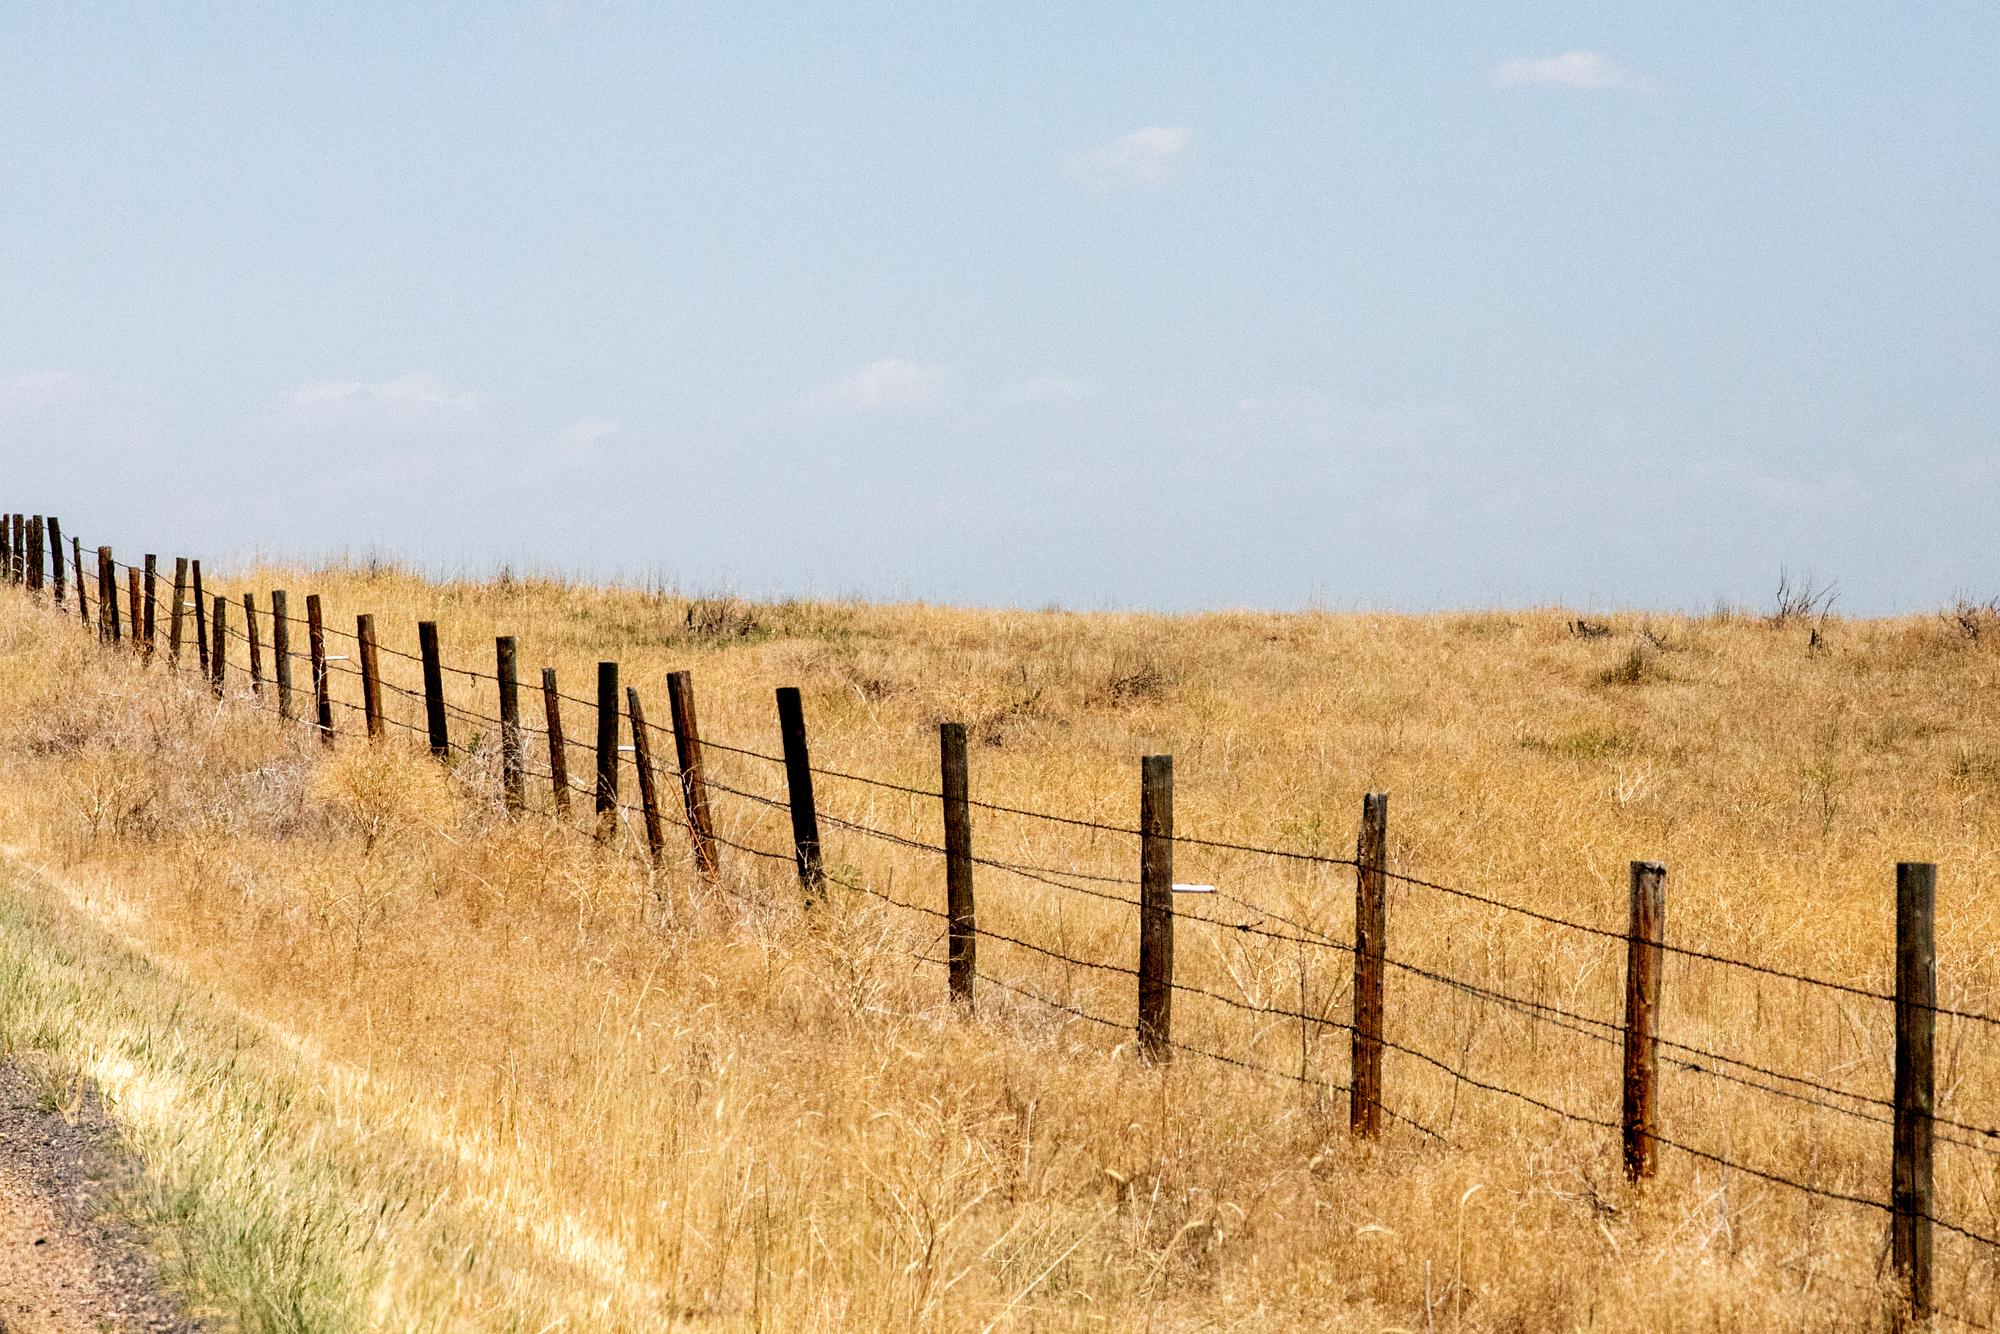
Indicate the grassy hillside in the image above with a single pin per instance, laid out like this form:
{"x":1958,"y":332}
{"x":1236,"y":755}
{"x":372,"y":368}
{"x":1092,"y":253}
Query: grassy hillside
{"x":554,"y":1088}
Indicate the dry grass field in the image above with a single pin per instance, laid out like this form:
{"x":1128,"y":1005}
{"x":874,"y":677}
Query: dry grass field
{"x":398,"y":1062}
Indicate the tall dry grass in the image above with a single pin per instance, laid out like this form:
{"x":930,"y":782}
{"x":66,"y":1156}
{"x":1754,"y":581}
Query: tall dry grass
{"x":585,"y":1094}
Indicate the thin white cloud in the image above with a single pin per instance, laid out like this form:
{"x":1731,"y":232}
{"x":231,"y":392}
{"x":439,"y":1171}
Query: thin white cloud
{"x":592,"y":430}
{"x":40,"y":389}
{"x":417,"y":392}
{"x":1142,"y":160}
{"x":1587,"y":70}
{"x":889,"y":385}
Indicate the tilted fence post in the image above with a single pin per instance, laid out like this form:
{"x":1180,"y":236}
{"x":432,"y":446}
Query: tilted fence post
{"x":558,"y":748}
{"x":799,"y":795}
{"x":694,"y":785}
{"x":371,"y":674}
{"x":1370,"y":928}
{"x":607,"y":751}
{"x":642,"y":762}
{"x":513,"y":780}
{"x":435,"y":719}
{"x":256,"y":643}
{"x":1643,"y":953}
{"x":1156,"y":906}
{"x":954,"y":786}
{"x":1916,"y":1025}
{"x":322,"y":687}
{"x":82,"y":598}
{"x":58,"y":590}
{"x":200,"y":609}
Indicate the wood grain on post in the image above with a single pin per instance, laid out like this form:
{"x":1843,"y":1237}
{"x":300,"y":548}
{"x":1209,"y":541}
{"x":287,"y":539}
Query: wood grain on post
{"x":1371,"y":915}
{"x":1156,"y":906}
{"x":513,"y":766}
{"x":35,"y":557}
{"x":962,"y":953}
{"x":371,"y":676}
{"x":58,"y":590}
{"x":435,"y":720}
{"x":177,"y":613}
{"x":558,"y":748}
{"x":799,"y":791}
{"x":322,"y":688}
{"x":200,"y":609}
{"x":1643,"y":955}
{"x":1916,"y":1023}
{"x":642,"y":763}
{"x":107,"y":594}
{"x":218,"y":653}
{"x":694,"y":785}
{"x":152,"y":588}
{"x":82,"y":599}
{"x":133,"y":604}
{"x":606,"y":790}
{"x":255,"y":638}
{"x":281,"y":650}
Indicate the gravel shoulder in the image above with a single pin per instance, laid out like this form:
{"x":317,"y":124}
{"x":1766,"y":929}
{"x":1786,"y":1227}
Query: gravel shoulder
{"x":68,"y":1262}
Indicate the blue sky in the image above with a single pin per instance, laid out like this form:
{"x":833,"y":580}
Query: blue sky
{"x":1100,"y":305}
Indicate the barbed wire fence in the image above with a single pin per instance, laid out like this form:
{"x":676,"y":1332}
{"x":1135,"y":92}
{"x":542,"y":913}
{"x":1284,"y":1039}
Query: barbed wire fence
{"x":32,"y":557}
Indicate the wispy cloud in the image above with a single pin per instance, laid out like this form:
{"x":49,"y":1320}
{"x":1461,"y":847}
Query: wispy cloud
{"x":417,"y":392}
{"x":1142,"y":160}
{"x":1587,"y":70}
{"x":40,"y":389}
{"x":891,"y":384}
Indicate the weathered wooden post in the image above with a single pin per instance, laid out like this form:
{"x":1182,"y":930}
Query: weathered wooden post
{"x":607,"y":751}
{"x":107,"y":595}
{"x":1370,"y":928}
{"x":1916,"y":1025}
{"x":694,"y":786}
{"x":82,"y":599}
{"x":1156,"y":906}
{"x":799,"y":791}
{"x":200,"y":619}
{"x":513,"y":766}
{"x":434,"y":715}
{"x":256,"y":645}
{"x":642,"y":762}
{"x":281,"y":650}
{"x":962,"y":957}
{"x":1643,"y":953}
{"x":322,"y":688}
{"x":558,"y":748}
{"x":152,"y":588}
{"x":176,"y":613}
{"x":218,"y":652}
{"x":58,"y":590}
{"x":371,"y":675}
{"x":35,"y":558}
{"x":132,"y":604}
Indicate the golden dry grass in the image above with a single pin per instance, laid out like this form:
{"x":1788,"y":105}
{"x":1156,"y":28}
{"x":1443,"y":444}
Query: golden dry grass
{"x":560,"y":1090}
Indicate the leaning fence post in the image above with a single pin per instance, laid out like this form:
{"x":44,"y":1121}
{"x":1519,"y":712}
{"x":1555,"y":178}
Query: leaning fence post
{"x":218,"y":654}
{"x":1156,"y":906}
{"x":1916,"y":1024}
{"x":200,"y":619}
{"x":281,"y":651}
{"x":152,"y":602}
{"x":642,"y":762}
{"x":256,"y":645}
{"x":434,"y":715}
{"x":1370,"y":927}
{"x":371,"y":677}
{"x":56,"y":560}
{"x":512,"y":768}
{"x":607,"y":750}
{"x":962,"y":951}
{"x":82,"y":598}
{"x":316,"y":646}
{"x":1643,"y":952}
{"x":799,"y":792}
{"x":694,"y":785}
{"x":558,"y":748}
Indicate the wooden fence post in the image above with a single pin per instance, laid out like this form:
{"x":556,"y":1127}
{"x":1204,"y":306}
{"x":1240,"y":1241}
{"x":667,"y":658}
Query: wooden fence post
{"x":218,"y":653}
{"x":371,"y":679}
{"x":1370,"y":927}
{"x":17,"y":568}
{"x":82,"y":599}
{"x":35,"y":554}
{"x":316,"y":646}
{"x":434,"y":715}
{"x":607,"y":751}
{"x":256,"y":645}
{"x":281,"y":650}
{"x":200,"y":608}
{"x":558,"y":748}
{"x":7,"y":548}
{"x":56,"y":561}
{"x":1156,"y":906}
{"x":799,"y":791}
{"x":176,"y":612}
{"x":1916,"y":1024}
{"x":962,"y":951}
{"x":152,"y":582}
{"x":1643,"y":953}
{"x":132,"y":603}
{"x":513,"y":769}
{"x":107,"y":595}
{"x":694,"y":786}
{"x":642,"y":761}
